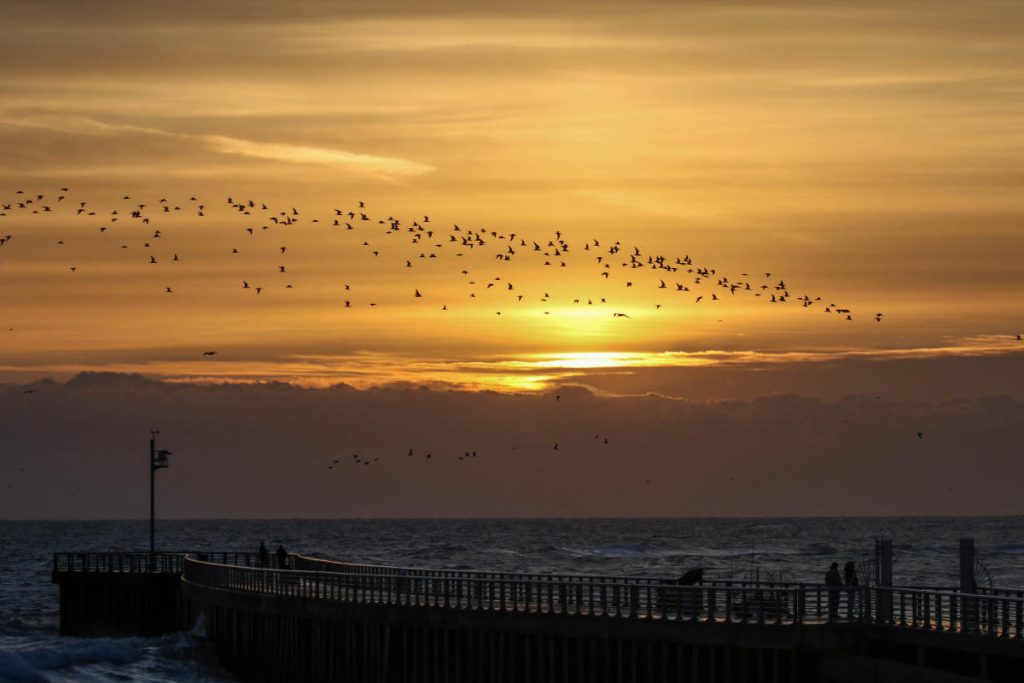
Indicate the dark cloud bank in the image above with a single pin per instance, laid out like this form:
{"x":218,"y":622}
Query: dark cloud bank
{"x":79,"y":449}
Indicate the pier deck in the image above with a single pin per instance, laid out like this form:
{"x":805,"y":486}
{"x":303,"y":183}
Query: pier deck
{"x":343,"y":621}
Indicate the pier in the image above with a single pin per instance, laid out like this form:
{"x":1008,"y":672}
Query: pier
{"x":324,"y":620}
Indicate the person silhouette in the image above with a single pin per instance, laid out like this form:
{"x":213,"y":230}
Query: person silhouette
{"x":264,"y":556}
{"x":282,"y":557}
{"x":850,"y":573}
{"x":850,"y":581}
{"x":833,"y":581}
{"x":691,"y":599}
{"x":692,"y":577}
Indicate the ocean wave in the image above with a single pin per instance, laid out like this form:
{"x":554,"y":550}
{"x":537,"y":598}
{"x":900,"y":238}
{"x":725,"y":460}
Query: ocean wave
{"x":819,"y":549}
{"x":926,"y":551}
{"x":190,"y":647}
{"x":732,"y":553}
{"x":503,"y":551}
{"x":439,"y":550}
{"x":74,"y":652}
{"x":27,"y":663}
{"x":174,"y":657}
{"x":650,"y":552}
{"x":626,"y":550}
{"x":21,"y":624}
{"x":1009,"y":548}
{"x":14,"y":669}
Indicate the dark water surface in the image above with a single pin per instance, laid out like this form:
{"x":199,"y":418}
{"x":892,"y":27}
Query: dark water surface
{"x":786,"y":549}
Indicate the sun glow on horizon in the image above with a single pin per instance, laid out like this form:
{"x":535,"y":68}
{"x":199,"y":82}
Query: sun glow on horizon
{"x":546,"y":193}
{"x":585,"y":360}
{"x":513,"y":373}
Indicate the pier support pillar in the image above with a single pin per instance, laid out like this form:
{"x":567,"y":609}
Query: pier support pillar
{"x":967,"y":582}
{"x":968,"y":585}
{"x":883,"y":562}
{"x":883,"y":578}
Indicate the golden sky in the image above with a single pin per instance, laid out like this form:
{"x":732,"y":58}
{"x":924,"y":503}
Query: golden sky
{"x":869,"y":153}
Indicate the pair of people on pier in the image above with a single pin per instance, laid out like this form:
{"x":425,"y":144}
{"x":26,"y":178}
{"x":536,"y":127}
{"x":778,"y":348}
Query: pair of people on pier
{"x":281,"y":555}
{"x":835,"y":582}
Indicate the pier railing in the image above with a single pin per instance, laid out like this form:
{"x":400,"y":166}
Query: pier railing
{"x":988,"y":612}
{"x":143,"y":562}
{"x":535,"y":594}
{"x":325,"y":565}
{"x":647,"y":599}
{"x":129,"y":562}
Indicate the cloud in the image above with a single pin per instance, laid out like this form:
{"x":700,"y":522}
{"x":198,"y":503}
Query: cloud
{"x":374,"y":165}
{"x":75,"y":125}
{"x":970,"y":366}
{"x":367,"y":164}
{"x":73,"y":450}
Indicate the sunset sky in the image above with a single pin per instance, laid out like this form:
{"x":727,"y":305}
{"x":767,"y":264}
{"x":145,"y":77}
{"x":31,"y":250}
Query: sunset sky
{"x":868,"y":153}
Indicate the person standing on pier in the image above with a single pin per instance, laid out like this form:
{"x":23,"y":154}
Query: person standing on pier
{"x":282,"y":557}
{"x":263,"y":555}
{"x":691,"y":599}
{"x":833,"y":581}
{"x":693,"y":577}
{"x":850,"y":580}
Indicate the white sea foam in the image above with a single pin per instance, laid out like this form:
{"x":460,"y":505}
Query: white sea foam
{"x":31,"y":660}
{"x":16,"y":669}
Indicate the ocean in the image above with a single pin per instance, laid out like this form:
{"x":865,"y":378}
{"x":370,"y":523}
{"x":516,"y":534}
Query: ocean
{"x":792,"y":549}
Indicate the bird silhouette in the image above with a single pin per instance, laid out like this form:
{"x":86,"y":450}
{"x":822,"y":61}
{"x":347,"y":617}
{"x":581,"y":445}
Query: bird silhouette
{"x":497,"y":258}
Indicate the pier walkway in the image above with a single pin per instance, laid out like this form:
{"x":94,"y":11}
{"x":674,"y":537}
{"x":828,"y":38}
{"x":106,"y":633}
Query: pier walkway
{"x":356,"y":622}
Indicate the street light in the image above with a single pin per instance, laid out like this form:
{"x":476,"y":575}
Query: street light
{"x":157,"y":460}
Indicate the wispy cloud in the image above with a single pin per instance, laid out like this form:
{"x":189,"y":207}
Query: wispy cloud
{"x":76,"y":125}
{"x":375,"y":165}
{"x":511,"y":374}
{"x":367,"y":164}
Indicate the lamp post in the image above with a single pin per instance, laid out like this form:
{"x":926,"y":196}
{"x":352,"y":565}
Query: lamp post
{"x":157,"y":460}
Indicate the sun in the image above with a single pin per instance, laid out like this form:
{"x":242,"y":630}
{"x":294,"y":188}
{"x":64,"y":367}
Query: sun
{"x":582,"y":360}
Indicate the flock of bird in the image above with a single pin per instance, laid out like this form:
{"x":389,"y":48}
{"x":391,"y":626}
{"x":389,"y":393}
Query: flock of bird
{"x":466,"y":456}
{"x":482,"y":259}
{"x":147,"y":225}
{"x":366,"y":461}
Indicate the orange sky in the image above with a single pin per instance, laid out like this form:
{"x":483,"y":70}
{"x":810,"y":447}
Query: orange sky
{"x":868,"y":153}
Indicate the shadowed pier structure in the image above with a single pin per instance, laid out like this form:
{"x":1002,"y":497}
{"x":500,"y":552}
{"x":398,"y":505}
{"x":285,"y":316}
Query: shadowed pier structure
{"x":321,"y":620}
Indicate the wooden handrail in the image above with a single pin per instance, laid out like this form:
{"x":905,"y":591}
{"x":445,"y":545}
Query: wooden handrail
{"x":997,"y":613}
{"x":606,"y":597}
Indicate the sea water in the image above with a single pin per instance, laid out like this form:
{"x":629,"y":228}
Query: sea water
{"x":31,"y":651}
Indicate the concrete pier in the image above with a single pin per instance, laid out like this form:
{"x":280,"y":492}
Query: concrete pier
{"x":332,"y":621}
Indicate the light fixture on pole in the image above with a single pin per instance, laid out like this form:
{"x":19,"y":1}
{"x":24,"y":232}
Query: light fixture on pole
{"x":157,"y":460}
